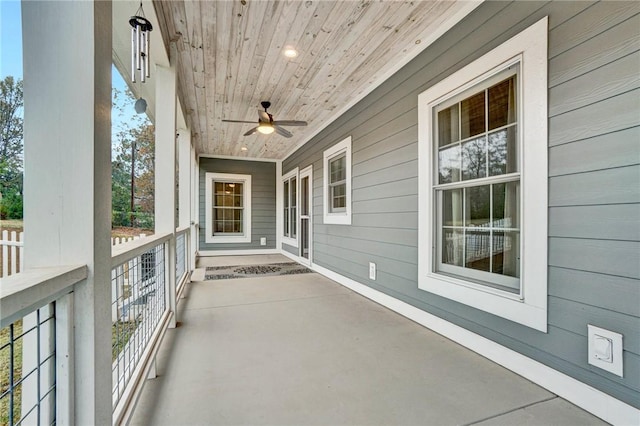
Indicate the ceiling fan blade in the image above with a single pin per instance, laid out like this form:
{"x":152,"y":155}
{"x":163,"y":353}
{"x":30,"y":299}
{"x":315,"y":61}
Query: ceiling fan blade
{"x":264,"y":116}
{"x":250,"y":132}
{"x":290,"y":123}
{"x":283,"y":132}
{"x":239,"y":121}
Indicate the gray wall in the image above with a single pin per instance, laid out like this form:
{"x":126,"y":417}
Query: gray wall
{"x":263,"y":201}
{"x":594,"y":182}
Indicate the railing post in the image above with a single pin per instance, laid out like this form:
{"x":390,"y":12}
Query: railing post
{"x":65,"y":361}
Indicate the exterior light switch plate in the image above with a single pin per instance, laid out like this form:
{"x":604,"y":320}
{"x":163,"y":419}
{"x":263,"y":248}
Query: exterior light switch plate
{"x":263,"y":241}
{"x":605,"y":349}
{"x":372,"y":271}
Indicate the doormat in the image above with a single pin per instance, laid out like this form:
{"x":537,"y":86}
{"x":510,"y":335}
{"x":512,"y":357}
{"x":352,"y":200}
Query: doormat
{"x":252,"y":271}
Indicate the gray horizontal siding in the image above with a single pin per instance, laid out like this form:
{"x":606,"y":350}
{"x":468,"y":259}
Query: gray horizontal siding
{"x":263,"y":201}
{"x":594,"y":176}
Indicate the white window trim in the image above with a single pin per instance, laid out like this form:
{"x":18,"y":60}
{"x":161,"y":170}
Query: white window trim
{"x":221,"y":177}
{"x":530,"y":306}
{"x":336,"y":218}
{"x":291,"y":174}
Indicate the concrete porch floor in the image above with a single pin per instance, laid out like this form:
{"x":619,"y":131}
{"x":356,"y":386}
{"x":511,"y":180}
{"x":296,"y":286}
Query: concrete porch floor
{"x":303,"y":350}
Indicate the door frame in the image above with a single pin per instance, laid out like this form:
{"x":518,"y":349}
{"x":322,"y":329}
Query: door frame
{"x":305,"y":173}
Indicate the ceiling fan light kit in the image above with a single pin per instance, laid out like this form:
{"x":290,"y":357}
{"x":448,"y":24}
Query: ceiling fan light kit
{"x":265,"y":128}
{"x":266,"y":124}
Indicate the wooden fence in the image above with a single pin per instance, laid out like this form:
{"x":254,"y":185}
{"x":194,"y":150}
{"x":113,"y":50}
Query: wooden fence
{"x":11,"y":250}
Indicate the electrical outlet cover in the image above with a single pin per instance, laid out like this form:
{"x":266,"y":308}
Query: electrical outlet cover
{"x":605,"y":349}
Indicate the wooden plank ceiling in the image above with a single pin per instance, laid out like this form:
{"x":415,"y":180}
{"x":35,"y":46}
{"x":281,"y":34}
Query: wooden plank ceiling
{"x":230,"y":58}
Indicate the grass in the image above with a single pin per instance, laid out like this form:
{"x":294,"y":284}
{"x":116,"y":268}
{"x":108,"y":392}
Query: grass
{"x":11,"y":225}
{"x":121,"y":332}
{"x":4,"y":373}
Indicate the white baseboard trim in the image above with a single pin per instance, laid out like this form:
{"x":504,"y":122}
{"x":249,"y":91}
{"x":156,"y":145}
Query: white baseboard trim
{"x":209,"y":253}
{"x":291,"y":256}
{"x":584,"y":396}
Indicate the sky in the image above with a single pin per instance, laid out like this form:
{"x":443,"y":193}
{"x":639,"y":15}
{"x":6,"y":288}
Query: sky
{"x":11,"y":59}
{"x":10,"y":39}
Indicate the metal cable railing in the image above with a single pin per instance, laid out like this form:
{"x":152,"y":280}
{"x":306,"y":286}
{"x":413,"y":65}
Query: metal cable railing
{"x":138,"y":304}
{"x":28,"y":369}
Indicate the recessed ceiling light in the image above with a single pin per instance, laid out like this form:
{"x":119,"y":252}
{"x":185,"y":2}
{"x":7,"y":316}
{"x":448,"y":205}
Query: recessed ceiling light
{"x":290,"y":52}
{"x":244,"y":148}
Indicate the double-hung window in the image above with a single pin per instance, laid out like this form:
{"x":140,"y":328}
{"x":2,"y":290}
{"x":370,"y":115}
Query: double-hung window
{"x":483,"y":182}
{"x":290,"y":203}
{"x":337,"y":183}
{"x":228,"y":208}
{"x":478,"y":183}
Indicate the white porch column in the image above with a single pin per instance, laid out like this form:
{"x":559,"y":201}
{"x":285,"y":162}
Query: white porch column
{"x":165,"y":174}
{"x":67,"y":134}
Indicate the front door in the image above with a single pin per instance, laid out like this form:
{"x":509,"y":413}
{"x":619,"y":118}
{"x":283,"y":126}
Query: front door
{"x":306,"y":203}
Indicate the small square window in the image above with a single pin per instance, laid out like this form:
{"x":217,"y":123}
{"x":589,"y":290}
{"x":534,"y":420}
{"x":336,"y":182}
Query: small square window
{"x":337,"y":184}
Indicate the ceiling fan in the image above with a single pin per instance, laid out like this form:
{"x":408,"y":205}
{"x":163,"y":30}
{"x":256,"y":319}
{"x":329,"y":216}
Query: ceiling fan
{"x":266,"y":124}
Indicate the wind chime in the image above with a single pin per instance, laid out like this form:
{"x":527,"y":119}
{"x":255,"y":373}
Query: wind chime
{"x":140,"y":38}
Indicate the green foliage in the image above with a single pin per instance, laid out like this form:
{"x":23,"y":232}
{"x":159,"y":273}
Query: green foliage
{"x":11,"y":206}
{"x":133,"y":152}
{"x":11,"y":142}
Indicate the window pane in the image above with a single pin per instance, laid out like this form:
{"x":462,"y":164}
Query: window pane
{"x":449,"y":164}
{"x":506,"y":205}
{"x":304,"y":196}
{"x":452,"y":207}
{"x":477,"y":206}
{"x":448,"y":125}
{"x":217,"y":215}
{"x":339,"y":203}
{"x":506,"y":253}
{"x":502,"y":103}
{"x":338,"y":196}
{"x":474,"y":159}
{"x":219,"y":200}
{"x":293,"y":222}
{"x":218,"y":226}
{"x":219,"y":187}
{"x":294,"y":192}
{"x":338,"y":171}
{"x":286,"y":221}
{"x":286,"y":194}
{"x":237,"y":200}
{"x":237,"y":214}
{"x":238,"y":189}
{"x":237,"y":226}
{"x":452,"y":244}
{"x":228,"y":226}
{"x":472,"y":112}
{"x":477,"y":249}
{"x":503,"y":155}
